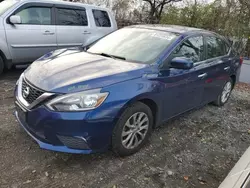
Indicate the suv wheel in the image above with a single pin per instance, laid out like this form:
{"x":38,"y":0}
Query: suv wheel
{"x":132,"y":129}
{"x":225,"y":94}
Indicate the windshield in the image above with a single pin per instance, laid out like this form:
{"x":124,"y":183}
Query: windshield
{"x":134,"y":44}
{"x":5,"y":5}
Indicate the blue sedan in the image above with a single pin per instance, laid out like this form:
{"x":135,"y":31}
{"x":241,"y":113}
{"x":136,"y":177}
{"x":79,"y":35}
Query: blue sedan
{"x":113,"y":93}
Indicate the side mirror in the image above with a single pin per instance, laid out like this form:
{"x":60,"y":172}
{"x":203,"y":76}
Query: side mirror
{"x":15,"y":19}
{"x":84,"y":48}
{"x":181,"y":63}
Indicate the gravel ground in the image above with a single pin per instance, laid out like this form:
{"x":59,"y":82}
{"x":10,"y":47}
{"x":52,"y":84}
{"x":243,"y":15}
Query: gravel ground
{"x":197,"y":149}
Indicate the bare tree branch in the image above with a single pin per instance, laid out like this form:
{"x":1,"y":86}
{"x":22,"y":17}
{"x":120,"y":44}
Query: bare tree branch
{"x":156,"y":9}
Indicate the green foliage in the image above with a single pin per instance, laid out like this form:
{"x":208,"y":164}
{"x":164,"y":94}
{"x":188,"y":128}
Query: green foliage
{"x":229,"y":20}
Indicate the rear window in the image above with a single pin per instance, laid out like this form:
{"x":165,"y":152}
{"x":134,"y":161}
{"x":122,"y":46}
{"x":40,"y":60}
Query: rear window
{"x":227,"y":48}
{"x":224,"y":46}
{"x":101,"y":18}
{"x":71,"y":17}
{"x":216,"y":47}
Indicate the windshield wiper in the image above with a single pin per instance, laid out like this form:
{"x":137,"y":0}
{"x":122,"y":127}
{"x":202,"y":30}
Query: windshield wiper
{"x":111,"y":56}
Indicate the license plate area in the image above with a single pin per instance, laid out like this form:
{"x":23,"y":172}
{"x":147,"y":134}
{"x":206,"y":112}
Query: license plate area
{"x":21,"y":113}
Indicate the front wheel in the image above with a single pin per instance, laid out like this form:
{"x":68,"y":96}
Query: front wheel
{"x":225,"y":94}
{"x":132,"y":130}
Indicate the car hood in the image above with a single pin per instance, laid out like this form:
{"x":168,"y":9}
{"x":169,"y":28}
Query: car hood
{"x":70,"y":70}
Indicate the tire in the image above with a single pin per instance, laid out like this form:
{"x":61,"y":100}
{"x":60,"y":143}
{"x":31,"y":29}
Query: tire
{"x":221,"y":101}
{"x":143,"y":115}
{"x":1,"y":65}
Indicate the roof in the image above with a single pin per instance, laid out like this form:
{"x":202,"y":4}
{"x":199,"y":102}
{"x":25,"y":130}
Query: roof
{"x":64,"y":3}
{"x":172,"y":28}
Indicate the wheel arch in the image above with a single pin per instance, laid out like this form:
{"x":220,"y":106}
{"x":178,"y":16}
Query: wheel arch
{"x":233,"y":77}
{"x":149,"y":101}
{"x":153,"y":107}
{"x":7,"y":62}
{"x":4,"y":58}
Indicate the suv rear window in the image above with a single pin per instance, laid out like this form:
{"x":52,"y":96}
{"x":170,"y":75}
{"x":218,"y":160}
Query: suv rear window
{"x":71,"y":17}
{"x":101,"y":18}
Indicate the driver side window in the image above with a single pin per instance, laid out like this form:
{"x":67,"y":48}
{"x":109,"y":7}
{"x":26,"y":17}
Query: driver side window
{"x":35,"y":16}
{"x":192,"y":48}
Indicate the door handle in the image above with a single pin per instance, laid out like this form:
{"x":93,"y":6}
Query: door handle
{"x":86,"y":32}
{"x":202,"y":75}
{"x":48,"y":33}
{"x":226,"y":68}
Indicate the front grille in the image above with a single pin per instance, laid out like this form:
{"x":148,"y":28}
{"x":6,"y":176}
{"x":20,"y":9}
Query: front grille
{"x":30,"y":93}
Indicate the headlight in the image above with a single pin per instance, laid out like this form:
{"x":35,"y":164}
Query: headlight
{"x":82,"y":101}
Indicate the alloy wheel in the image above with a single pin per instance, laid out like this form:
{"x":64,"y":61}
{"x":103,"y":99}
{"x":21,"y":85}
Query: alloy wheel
{"x":226,"y":92}
{"x":135,"y":130}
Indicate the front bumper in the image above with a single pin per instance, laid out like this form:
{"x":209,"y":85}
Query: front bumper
{"x":47,"y":146}
{"x":71,"y":132}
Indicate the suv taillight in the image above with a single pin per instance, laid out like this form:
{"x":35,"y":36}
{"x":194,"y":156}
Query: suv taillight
{"x":241,"y":60}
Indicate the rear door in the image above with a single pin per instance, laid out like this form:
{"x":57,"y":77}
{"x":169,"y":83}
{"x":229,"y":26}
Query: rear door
{"x":183,"y":89}
{"x":71,"y":26}
{"x":218,"y":65}
{"x":101,"y":22}
{"x":35,"y":36}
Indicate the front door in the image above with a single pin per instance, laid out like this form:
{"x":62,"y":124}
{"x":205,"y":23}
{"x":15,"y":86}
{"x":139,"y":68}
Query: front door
{"x":183,"y":89}
{"x":35,"y":36}
{"x":101,"y":25}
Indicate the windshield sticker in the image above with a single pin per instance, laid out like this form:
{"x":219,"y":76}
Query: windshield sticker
{"x":163,"y":36}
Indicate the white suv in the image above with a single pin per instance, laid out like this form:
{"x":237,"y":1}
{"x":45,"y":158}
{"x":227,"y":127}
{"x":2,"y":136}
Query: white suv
{"x":31,"y":28}
{"x":239,"y":177}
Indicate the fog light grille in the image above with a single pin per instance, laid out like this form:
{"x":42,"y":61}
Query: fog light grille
{"x":73,"y":142}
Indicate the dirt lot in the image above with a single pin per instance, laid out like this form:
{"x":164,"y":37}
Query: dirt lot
{"x":195,"y":150}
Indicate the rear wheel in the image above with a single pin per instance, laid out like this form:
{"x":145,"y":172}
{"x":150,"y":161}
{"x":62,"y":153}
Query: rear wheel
{"x":1,"y":65}
{"x":132,"y":130}
{"x":225,"y":94}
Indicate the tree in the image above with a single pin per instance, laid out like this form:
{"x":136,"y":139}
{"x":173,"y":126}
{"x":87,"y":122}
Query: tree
{"x":246,"y":9}
{"x":227,"y":17}
{"x":156,"y":9}
{"x":121,"y":9}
